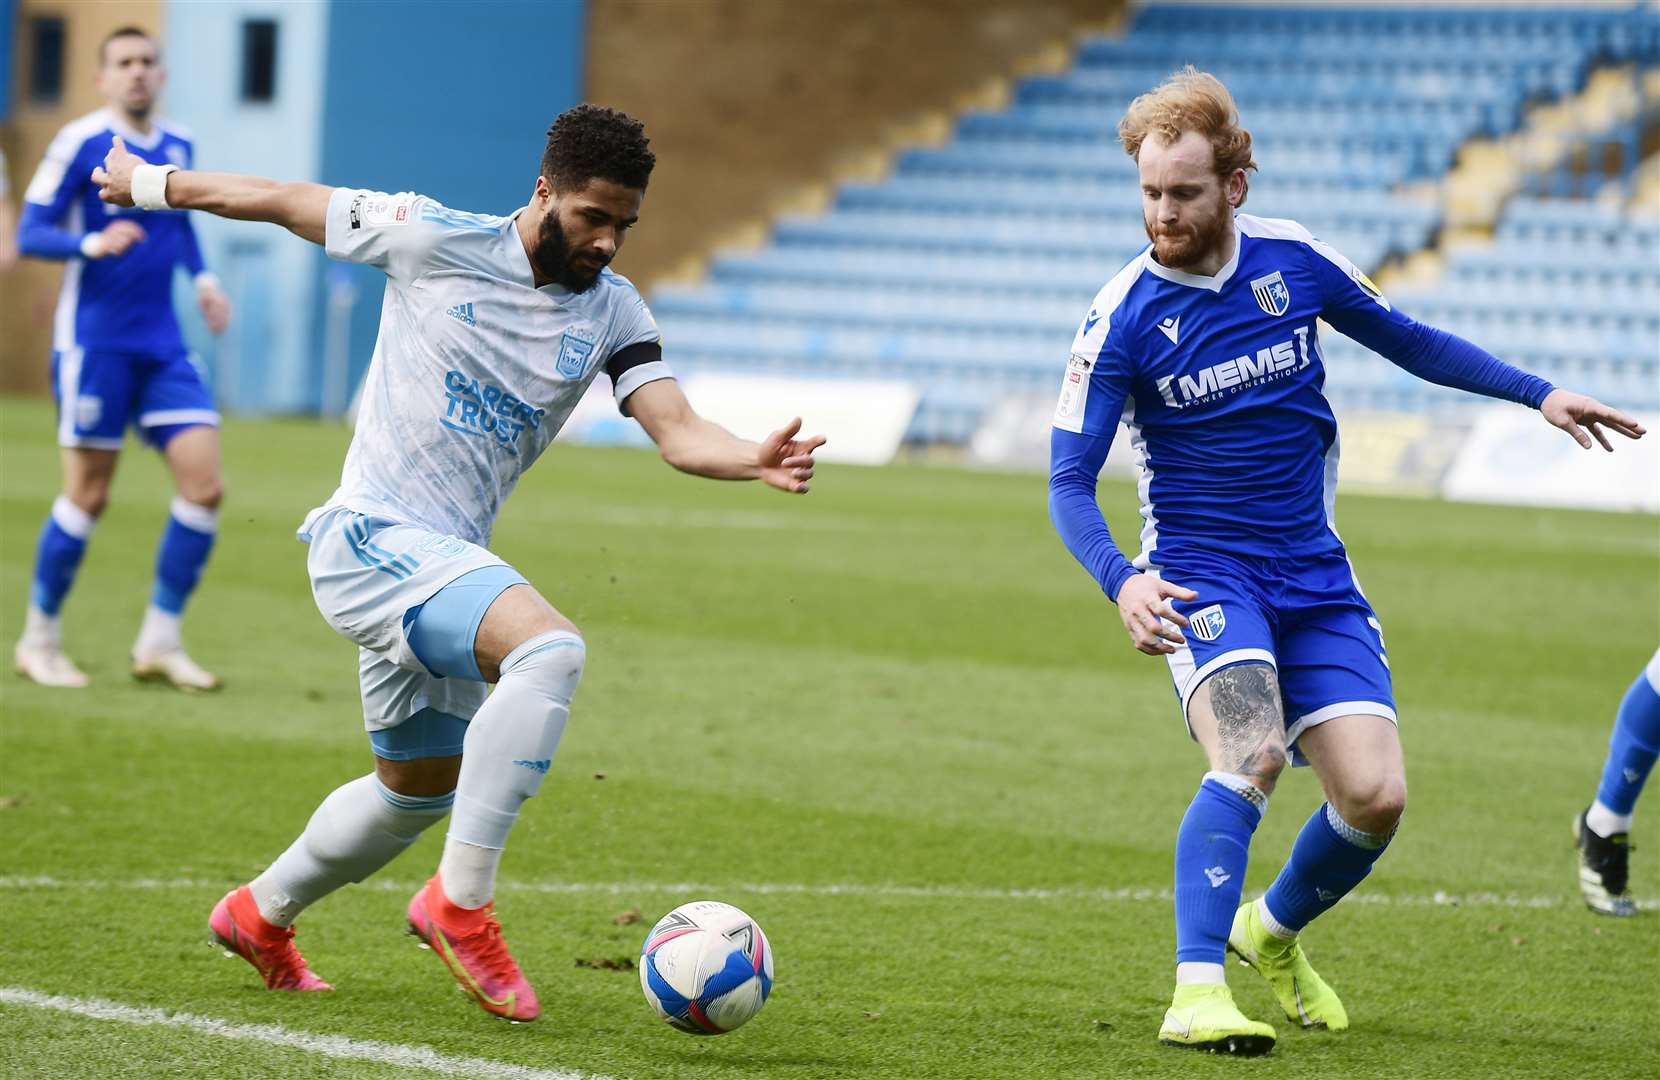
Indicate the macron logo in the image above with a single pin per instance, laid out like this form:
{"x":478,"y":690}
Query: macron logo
{"x":1218,"y":877}
{"x":1168,"y":328}
{"x":1090,"y":321}
{"x":541,"y":766}
{"x":462,"y":313}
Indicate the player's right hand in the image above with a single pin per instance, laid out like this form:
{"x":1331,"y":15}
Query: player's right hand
{"x":115,"y":176}
{"x":1149,"y":619}
{"x":118,"y":236}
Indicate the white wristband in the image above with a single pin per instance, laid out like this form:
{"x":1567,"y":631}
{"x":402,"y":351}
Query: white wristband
{"x":207,"y":279}
{"x":92,"y":246}
{"x":150,"y":186}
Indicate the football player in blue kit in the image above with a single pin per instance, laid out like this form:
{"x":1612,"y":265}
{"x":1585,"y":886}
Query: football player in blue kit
{"x":1206,"y":348}
{"x":1602,"y":831}
{"x":119,"y":360}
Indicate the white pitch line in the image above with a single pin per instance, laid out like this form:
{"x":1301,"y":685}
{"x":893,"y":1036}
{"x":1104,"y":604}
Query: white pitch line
{"x":852,"y":889}
{"x":334,"y":1046}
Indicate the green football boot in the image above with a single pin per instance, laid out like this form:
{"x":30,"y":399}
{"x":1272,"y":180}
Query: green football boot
{"x":1303,"y":994}
{"x":1204,"y":1017}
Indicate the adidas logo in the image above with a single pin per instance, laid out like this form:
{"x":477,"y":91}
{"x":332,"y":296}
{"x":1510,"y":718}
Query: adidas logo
{"x":1169,"y":328}
{"x":544,"y":764}
{"x":464,"y":313}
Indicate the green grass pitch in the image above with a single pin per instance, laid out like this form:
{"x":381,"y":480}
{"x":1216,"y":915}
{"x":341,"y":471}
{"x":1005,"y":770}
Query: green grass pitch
{"x":900,"y":684}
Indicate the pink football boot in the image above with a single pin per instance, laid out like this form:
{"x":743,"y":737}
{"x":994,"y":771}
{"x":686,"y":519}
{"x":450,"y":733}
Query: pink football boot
{"x":469,"y":941}
{"x":238,"y":927}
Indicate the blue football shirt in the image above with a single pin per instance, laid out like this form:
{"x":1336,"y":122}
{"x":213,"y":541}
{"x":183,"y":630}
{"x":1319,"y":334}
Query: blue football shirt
{"x":122,"y":303}
{"x":1219,"y":383}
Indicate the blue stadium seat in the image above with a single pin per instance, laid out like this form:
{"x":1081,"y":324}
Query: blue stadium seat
{"x":966,"y":270}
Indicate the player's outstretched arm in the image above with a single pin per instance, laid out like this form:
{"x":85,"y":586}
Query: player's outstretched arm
{"x":1569,"y":411}
{"x":299,"y":207}
{"x":695,"y":445}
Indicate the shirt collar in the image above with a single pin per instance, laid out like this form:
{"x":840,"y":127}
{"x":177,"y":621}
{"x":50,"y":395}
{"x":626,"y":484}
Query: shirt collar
{"x":1202,"y":281}
{"x":130,"y":135}
{"x":521,"y":260}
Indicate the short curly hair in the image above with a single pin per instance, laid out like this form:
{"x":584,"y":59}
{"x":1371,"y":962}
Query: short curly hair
{"x":592,"y":141}
{"x":1190,"y":100}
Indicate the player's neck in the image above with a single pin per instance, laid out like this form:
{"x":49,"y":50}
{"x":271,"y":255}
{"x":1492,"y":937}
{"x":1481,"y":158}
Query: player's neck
{"x":527,"y":237}
{"x":139,"y":122}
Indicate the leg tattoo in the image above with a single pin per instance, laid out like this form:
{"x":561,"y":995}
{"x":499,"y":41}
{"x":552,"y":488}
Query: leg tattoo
{"x":1249,"y":726}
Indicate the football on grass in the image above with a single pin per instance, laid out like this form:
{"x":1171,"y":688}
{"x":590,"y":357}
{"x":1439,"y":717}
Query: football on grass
{"x":706,"y":968}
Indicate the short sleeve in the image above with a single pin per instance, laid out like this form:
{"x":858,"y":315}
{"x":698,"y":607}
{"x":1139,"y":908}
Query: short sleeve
{"x":638,"y":356}
{"x":58,"y":178}
{"x":1097,"y":379}
{"x":377,"y":229}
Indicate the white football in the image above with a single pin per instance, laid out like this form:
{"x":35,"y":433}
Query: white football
{"x":706,"y":968}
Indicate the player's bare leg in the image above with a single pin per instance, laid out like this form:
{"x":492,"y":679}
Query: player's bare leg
{"x":87,"y":475}
{"x":192,"y":455}
{"x":1360,"y":765}
{"x":1236,"y":716}
{"x":534,"y":655}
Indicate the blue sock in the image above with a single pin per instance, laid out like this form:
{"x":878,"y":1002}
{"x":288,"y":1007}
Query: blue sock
{"x":185,"y":545}
{"x":1632,"y":748}
{"x":1211,"y":850}
{"x":1328,"y":860}
{"x":58,"y":555}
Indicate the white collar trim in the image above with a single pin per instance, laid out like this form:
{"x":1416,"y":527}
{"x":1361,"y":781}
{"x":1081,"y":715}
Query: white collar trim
{"x":1201,"y":281}
{"x":130,"y":134}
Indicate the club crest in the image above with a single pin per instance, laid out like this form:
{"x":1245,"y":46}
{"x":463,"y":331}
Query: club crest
{"x":1207,"y":624}
{"x":574,"y":352}
{"x":1272,"y":293}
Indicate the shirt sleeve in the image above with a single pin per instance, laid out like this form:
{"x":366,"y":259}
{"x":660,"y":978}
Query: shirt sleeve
{"x":385,"y":231}
{"x":638,"y":357}
{"x":46,"y":201}
{"x":1358,"y":309}
{"x":1093,"y":393}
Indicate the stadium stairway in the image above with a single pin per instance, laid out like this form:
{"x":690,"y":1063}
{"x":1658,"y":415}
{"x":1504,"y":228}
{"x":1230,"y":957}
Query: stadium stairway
{"x":965,"y":268}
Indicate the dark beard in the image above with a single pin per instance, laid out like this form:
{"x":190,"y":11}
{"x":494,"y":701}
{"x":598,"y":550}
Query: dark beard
{"x":552,"y":258}
{"x":1179,"y":250}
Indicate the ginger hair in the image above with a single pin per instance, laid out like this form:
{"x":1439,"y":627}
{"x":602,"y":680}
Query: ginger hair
{"x":1190,"y":100}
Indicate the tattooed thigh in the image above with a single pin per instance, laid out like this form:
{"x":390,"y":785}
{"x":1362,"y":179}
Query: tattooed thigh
{"x":1250,"y":727}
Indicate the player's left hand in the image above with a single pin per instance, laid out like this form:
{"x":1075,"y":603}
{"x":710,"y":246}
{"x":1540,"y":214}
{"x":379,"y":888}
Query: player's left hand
{"x":786,"y":461}
{"x":1568,"y":410}
{"x":115,"y":176}
{"x":216,"y":307}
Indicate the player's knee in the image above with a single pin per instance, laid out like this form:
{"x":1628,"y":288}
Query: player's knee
{"x":90,"y":497}
{"x":207,"y":493}
{"x":551,"y":661}
{"x":1375,"y":806}
{"x":1263,"y":767}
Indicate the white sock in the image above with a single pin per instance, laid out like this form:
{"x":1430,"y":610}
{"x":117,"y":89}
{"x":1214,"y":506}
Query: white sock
{"x":359,"y":828}
{"x":159,"y":632}
{"x":506,"y":754}
{"x":40,"y":628}
{"x":1271,"y":924}
{"x":1193,"y":972}
{"x":1605,"y":822}
{"x":468,"y":872}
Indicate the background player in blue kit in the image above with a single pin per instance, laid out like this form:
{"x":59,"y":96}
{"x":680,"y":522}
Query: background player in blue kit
{"x":119,"y":360}
{"x":1602,"y":832}
{"x":1206,"y":347}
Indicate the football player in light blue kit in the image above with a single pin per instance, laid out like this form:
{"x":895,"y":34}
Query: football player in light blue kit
{"x":1602,"y":832}
{"x":1206,"y":348}
{"x":491,"y":331}
{"x":118,"y":360}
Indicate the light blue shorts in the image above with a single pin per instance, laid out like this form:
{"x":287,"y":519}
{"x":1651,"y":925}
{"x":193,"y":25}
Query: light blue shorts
{"x":411,"y":600}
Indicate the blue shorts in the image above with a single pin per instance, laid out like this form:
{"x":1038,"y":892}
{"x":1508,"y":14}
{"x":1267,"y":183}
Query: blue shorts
{"x":100,"y":393}
{"x":1306,"y":616}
